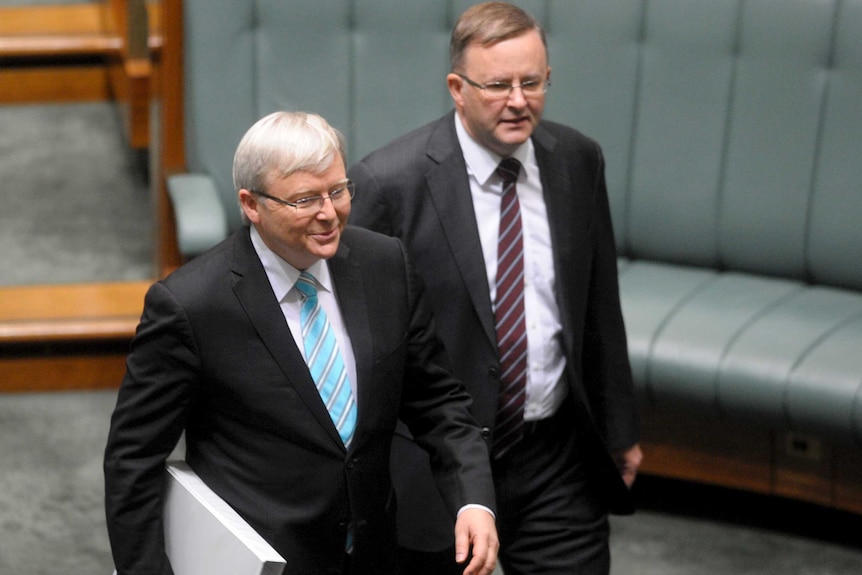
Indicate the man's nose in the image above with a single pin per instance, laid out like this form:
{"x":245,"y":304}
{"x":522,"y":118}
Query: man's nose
{"x":327,"y":210}
{"x":516,"y":98}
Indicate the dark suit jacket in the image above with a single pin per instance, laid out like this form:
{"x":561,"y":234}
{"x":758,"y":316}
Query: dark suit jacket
{"x":417,"y":189}
{"x":214,"y":356}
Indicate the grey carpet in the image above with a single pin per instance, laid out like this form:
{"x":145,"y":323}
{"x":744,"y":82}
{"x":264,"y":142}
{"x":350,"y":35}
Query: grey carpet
{"x":51,"y":518}
{"x":687,"y":529}
{"x":75,"y":199}
{"x":51,"y":514}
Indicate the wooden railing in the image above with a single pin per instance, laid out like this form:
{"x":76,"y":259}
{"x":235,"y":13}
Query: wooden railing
{"x":76,"y":52}
{"x":57,"y":337}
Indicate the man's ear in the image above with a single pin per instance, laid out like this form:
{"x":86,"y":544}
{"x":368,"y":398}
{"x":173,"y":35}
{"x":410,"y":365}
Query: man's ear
{"x":250,"y":205}
{"x":456,"y":84}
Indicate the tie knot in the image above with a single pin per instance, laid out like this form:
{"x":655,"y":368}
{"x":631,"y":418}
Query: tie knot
{"x":307,"y":285}
{"x":509,"y":169}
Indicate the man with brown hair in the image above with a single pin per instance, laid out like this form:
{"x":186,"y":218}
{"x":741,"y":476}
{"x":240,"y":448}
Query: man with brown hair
{"x":507,"y":219}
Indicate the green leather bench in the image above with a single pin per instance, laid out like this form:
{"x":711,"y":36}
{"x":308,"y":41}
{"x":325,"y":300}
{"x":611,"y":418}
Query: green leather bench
{"x":732,"y":131}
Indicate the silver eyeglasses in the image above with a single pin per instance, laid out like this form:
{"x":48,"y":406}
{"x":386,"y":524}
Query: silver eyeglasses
{"x":313,"y":204}
{"x":500,"y":90}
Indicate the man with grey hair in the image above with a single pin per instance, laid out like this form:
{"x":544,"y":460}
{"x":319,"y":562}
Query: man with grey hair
{"x":286,"y":354}
{"x":507,"y":218}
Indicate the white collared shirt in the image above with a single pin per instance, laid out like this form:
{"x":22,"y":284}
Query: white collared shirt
{"x":545,"y":357}
{"x":283,"y":277}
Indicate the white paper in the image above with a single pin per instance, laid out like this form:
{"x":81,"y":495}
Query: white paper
{"x":205,"y":536}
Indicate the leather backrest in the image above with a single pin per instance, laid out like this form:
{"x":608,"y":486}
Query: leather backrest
{"x":732,"y":129}
{"x":776,"y":99}
{"x":594,"y":53}
{"x":373,"y":69}
{"x":834,"y":239}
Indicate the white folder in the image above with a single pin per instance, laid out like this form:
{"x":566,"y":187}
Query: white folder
{"x":205,"y":536}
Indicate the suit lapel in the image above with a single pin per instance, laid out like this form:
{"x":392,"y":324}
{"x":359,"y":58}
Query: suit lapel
{"x":449,"y":188}
{"x":253,"y":291}
{"x":558,"y":193}
{"x":566,"y":196}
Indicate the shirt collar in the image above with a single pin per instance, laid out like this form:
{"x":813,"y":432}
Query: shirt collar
{"x":481,"y":162}
{"x":283,"y":276}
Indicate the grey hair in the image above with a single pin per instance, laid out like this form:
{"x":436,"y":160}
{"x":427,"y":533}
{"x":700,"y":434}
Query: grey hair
{"x":282,"y":143}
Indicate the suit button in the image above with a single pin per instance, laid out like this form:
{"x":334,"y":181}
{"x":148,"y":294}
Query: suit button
{"x":351,"y":463}
{"x":486,"y":433}
{"x":494,"y":371}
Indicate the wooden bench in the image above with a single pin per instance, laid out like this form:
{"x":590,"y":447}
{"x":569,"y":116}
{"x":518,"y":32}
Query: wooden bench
{"x":63,"y":337}
{"x":80,"y":52}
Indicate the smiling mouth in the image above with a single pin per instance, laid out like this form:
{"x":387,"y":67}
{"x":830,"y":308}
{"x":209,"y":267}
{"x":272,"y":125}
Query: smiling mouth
{"x":326,"y":234}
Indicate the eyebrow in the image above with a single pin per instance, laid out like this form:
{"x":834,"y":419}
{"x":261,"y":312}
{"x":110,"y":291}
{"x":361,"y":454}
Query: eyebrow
{"x":306,"y":193}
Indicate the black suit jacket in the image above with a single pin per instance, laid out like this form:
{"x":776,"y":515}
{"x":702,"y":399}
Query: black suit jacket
{"x":417,"y":189}
{"x":214,"y":356}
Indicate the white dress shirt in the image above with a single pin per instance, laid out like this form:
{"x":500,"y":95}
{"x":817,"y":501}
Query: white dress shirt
{"x":545,"y":357}
{"x":283,"y":277}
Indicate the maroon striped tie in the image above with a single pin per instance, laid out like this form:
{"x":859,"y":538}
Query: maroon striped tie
{"x":509,"y":315}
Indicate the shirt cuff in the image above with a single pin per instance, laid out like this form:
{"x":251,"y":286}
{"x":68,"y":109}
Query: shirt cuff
{"x":476,"y":506}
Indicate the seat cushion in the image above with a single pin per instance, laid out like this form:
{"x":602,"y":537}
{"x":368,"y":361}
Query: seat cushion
{"x":746,"y":347}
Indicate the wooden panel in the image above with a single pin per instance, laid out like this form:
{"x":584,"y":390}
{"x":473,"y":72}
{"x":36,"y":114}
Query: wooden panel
{"x":56,"y":31}
{"x":131,"y":68}
{"x":67,"y":330}
{"x":84,"y":18}
{"x":803,"y":468}
{"x":54,"y":84}
{"x":45,"y":46}
{"x":64,"y":313}
{"x":170,"y":157}
{"x":707,"y":450}
{"x":63,"y":337}
{"x":748,"y":471}
{"x":848,"y":479}
{"x":131,"y":82}
{"x":61,"y":373}
{"x":71,"y":301}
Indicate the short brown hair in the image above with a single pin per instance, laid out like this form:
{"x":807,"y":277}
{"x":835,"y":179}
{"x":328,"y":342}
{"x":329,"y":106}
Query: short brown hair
{"x":486,"y":24}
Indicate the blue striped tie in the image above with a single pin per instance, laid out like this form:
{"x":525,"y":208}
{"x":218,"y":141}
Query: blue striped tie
{"x":324,"y":360}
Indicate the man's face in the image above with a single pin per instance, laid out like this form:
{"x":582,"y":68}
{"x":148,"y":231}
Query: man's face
{"x":300,"y":237}
{"x":501,"y":124}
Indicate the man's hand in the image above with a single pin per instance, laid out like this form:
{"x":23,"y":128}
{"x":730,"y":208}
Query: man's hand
{"x":475,"y":529}
{"x":628,"y":461}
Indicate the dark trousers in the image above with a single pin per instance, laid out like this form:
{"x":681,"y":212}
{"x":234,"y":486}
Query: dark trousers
{"x":549,"y":520}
